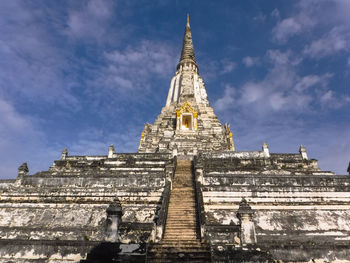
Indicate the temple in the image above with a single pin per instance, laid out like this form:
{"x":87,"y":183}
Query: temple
{"x":187,"y":195}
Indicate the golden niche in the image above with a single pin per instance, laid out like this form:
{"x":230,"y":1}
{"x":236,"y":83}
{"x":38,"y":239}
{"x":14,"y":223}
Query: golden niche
{"x":186,"y":117}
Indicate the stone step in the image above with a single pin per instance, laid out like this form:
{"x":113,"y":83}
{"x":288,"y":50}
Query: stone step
{"x":180,"y":221}
{"x":179,"y":257}
{"x":181,"y":196}
{"x":182,"y":209}
{"x":176,"y":238}
{"x":175,"y":214}
{"x":180,"y":204}
{"x":187,"y":225}
{"x":184,"y":224}
{"x":183,"y":245}
{"x":180,"y":230}
{"x":183,"y":215}
{"x":184,"y":194}
{"x":175,"y":248}
{"x":182,"y":227}
{"x":185,"y":218}
{"x":182,"y":234}
{"x":194,"y":253}
{"x":181,"y":201}
{"x":169,"y":261}
{"x":182,"y":212}
{"x":179,"y":236}
{"x":188,"y":211}
{"x":189,"y":228}
{"x":166,"y":251}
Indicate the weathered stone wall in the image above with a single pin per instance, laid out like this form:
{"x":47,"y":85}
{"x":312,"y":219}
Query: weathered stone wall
{"x":300,"y":212}
{"x":60,"y":215}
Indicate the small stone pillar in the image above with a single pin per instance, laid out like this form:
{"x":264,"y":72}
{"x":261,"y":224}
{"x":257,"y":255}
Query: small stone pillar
{"x":111,"y":151}
{"x":22,"y":171}
{"x":303,"y":153}
{"x":114,"y":218}
{"x":175,"y":150}
{"x":245,"y":216}
{"x":265,"y":149}
{"x":64,"y":154}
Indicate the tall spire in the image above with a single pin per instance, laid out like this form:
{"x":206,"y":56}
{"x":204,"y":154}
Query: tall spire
{"x":187,"y":54}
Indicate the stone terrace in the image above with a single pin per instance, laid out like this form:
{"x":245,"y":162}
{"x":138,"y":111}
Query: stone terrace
{"x":300,"y":212}
{"x":65,"y":207}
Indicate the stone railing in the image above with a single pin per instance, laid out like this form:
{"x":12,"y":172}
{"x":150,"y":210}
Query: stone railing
{"x":163,"y":209}
{"x":200,"y":209}
{"x":163,"y":212}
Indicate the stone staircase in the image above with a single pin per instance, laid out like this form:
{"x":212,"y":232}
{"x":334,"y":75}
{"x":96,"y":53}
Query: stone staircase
{"x":180,"y":242}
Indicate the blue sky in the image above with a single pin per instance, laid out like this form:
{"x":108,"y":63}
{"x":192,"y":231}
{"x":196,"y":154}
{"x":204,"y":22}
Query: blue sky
{"x":87,"y":74}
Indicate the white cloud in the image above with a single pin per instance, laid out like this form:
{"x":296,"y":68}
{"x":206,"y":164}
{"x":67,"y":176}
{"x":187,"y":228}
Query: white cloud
{"x":252,"y":92}
{"x":11,"y":121}
{"x":332,"y":100}
{"x":283,"y":89}
{"x":277,"y":101}
{"x":228,"y":66}
{"x":278,"y":57}
{"x":21,"y":140}
{"x":227,"y":101}
{"x":132,"y":69}
{"x":90,"y":19}
{"x":311,"y":80}
{"x":336,"y":40}
{"x":250,"y":61}
{"x":305,"y":16}
{"x":292,"y":26}
{"x":260,"y":18}
{"x":31,"y":66}
{"x":276,"y":13}
{"x":286,"y":28}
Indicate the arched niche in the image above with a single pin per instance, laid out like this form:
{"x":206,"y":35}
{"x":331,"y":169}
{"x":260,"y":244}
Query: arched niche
{"x":186,"y":117}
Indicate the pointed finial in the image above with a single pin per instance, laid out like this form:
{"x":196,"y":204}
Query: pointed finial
{"x":187,"y":54}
